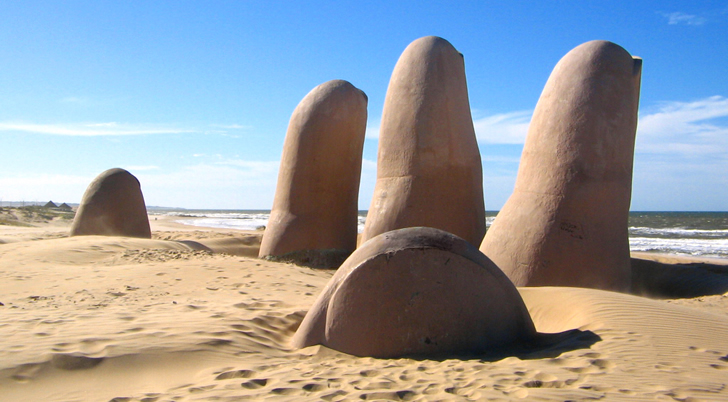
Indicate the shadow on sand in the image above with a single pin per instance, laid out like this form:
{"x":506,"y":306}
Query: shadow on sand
{"x":674,"y":281}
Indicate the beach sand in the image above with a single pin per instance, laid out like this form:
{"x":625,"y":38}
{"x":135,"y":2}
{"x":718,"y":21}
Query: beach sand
{"x":192,"y":315}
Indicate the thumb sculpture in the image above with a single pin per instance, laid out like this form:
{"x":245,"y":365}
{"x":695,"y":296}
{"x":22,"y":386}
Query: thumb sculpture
{"x":113,"y":205}
{"x":566,"y":222}
{"x":313,"y":221}
{"x":429,"y":171}
{"x":417,"y":291}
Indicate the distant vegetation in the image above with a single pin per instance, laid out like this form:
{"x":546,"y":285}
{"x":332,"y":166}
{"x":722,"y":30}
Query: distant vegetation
{"x":31,"y":215}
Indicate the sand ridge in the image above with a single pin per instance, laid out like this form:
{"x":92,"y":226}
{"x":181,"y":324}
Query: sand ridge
{"x":97,"y":318}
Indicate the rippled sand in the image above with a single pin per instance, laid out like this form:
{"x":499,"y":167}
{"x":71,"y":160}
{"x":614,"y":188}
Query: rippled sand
{"x":192,"y":315}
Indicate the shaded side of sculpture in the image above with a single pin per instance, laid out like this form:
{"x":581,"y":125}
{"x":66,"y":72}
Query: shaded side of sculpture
{"x":429,"y":171}
{"x":113,"y":205}
{"x":566,"y":222}
{"x":313,"y":221}
{"x":416,"y":291}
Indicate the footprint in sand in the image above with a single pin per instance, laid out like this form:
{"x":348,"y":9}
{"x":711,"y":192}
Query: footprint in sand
{"x":314,"y":387}
{"x":195,"y":390}
{"x":235,"y":374}
{"x":388,"y":396}
{"x":73,"y":362}
{"x":255,"y":384}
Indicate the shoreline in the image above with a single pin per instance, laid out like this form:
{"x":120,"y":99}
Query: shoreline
{"x":167,"y":223}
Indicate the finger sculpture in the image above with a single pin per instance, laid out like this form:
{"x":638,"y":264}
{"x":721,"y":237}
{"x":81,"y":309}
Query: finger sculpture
{"x":566,"y":222}
{"x":113,"y":205}
{"x":313,"y":221}
{"x":429,"y":171}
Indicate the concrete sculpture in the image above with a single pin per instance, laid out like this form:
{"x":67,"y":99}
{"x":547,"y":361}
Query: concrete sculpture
{"x":416,"y":291}
{"x":429,"y":171}
{"x":113,"y":205}
{"x":313,"y":221}
{"x":566,"y":222}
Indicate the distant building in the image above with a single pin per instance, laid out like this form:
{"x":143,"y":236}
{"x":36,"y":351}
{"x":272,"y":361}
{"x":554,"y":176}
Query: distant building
{"x":65,"y":207}
{"x":50,"y":204}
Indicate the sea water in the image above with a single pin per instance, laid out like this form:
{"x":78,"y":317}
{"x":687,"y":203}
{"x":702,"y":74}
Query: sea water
{"x":703,"y":234}
{"x":685,"y":233}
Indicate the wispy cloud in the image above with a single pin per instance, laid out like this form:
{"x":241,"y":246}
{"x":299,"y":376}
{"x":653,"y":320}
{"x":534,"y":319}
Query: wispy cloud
{"x":503,"y":128}
{"x":367,"y":182}
{"x":670,"y":127}
{"x":43,"y":187}
{"x":232,"y":126}
{"x":500,"y":159}
{"x":677,"y":18}
{"x":142,"y":168}
{"x":687,"y":128}
{"x":372,"y":131}
{"x":262,"y":167}
{"x":232,"y":183}
{"x":224,"y":129}
{"x":90,"y":129}
{"x":109,"y":124}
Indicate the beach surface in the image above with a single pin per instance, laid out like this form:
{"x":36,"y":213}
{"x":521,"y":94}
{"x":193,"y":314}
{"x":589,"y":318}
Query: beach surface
{"x":193,"y":315}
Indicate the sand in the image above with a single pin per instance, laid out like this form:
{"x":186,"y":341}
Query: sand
{"x":192,"y":315}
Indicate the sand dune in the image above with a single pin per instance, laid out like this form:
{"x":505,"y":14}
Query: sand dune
{"x":98,"y":318}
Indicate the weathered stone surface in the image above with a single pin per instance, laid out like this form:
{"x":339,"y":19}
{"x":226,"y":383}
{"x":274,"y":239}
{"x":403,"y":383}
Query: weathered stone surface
{"x":429,"y":171}
{"x":113,"y":205}
{"x":566,"y":222}
{"x":314,"y":216}
{"x":416,"y":291}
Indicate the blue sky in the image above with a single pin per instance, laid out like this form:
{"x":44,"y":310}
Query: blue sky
{"x":194,"y":97}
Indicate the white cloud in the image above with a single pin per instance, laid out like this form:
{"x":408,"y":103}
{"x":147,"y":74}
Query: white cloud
{"x":367,"y":182}
{"x":368,"y":165}
{"x":680,"y":162}
{"x":676,"y":184}
{"x":90,"y":129}
{"x":686,"y":128}
{"x":679,"y":145}
{"x":229,"y":184}
{"x":44,"y":187}
{"x":677,"y":18}
{"x":262,"y":167}
{"x":503,"y":128}
{"x":38,"y":180}
{"x":208,"y":156}
{"x":673,"y":127}
{"x":500,"y":159}
{"x":141,"y":167}
{"x":372,"y":131}
{"x":109,"y":124}
{"x":232,"y":126}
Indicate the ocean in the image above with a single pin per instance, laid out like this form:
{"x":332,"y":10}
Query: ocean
{"x":703,"y":234}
